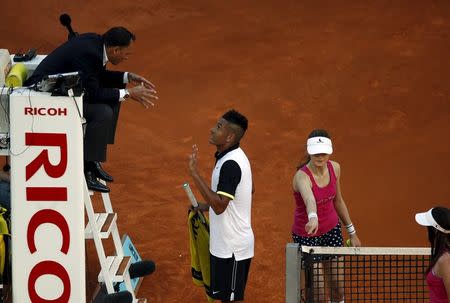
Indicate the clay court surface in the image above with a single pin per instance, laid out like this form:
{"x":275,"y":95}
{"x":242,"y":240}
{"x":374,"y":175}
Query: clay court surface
{"x":374,"y":73}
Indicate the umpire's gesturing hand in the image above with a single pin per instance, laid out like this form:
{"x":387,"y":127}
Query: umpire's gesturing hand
{"x":144,"y":91}
{"x":139,"y":80}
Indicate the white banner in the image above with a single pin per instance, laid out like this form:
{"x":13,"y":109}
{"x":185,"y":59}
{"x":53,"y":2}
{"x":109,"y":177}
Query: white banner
{"x":47,"y":209}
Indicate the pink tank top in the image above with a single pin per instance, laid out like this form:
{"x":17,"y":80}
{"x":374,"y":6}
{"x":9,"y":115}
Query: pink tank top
{"x":436,"y":288}
{"x":326,"y":212}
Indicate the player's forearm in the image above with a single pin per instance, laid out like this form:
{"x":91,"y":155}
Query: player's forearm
{"x":307,"y":194}
{"x":210,"y":197}
{"x":342,"y":212}
{"x":311,"y":206}
{"x":344,"y":216}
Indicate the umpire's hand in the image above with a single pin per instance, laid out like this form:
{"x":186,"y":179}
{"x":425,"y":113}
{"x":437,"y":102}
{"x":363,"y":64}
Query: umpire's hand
{"x":144,"y":91}
{"x":143,"y":95}
{"x":139,"y":80}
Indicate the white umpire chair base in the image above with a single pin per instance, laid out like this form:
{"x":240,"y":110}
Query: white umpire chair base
{"x":113,"y":269}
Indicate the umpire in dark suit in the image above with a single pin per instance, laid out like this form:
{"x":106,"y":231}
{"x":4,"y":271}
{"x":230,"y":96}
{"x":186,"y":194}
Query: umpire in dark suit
{"x":104,"y":90}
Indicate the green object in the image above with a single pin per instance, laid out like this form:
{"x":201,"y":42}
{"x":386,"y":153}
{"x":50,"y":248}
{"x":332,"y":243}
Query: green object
{"x":4,"y":230}
{"x":17,"y":75}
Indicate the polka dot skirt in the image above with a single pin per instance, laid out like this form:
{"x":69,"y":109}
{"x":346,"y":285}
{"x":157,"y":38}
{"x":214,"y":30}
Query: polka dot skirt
{"x":333,"y":238}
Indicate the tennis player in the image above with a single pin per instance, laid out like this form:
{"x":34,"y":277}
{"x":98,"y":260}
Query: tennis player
{"x":320,"y":206}
{"x":229,"y":201}
{"x":437,"y":221}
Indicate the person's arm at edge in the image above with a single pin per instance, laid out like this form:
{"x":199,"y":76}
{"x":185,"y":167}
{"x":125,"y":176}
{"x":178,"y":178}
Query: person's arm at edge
{"x":341,"y":207}
{"x":443,"y":271}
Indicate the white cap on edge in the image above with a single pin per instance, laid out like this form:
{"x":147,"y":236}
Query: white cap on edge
{"x":319,"y":145}
{"x":426,"y":219}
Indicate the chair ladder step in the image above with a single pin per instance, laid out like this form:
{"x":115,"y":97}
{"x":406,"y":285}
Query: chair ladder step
{"x":105,"y":223}
{"x":118,"y":266}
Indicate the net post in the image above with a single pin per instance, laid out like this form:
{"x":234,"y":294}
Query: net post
{"x":293,"y":267}
{"x":308,"y":260}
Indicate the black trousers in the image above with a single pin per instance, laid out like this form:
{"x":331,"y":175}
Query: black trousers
{"x":101,"y":124}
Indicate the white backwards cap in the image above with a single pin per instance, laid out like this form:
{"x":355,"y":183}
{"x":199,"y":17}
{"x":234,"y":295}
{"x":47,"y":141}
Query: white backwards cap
{"x":427,"y":219}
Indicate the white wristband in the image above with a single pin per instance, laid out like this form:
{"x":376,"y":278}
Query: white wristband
{"x":350,"y":229}
{"x":312,"y":215}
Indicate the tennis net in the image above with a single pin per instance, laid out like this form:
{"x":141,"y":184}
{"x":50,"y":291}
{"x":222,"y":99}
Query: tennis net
{"x":365,"y":274}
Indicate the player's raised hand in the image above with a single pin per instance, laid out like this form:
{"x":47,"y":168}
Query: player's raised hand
{"x":193,"y":160}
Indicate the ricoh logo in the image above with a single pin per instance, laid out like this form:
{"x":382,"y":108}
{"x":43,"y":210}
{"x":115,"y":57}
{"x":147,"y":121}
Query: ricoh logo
{"x":40,"y":197}
{"x":44,"y":111}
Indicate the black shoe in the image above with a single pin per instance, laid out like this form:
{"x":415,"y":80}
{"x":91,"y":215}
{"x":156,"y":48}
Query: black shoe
{"x":141,"y":269}
{"x":119,"y":297}
{"x":94,"y":184}
{"x":101,"y":296}
{"x":100,"y":173}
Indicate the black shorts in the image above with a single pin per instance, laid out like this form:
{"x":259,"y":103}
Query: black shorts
{"x":228,"y":278}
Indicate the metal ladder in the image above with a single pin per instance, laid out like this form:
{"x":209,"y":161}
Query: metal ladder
{"x":114,"y":269}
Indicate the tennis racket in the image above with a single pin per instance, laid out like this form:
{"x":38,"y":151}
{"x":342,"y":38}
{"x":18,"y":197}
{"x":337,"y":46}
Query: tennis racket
{"x":193,"y":200}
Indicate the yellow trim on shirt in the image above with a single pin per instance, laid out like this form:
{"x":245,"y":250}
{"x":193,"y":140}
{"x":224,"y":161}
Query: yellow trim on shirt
{"x":225,"y":194}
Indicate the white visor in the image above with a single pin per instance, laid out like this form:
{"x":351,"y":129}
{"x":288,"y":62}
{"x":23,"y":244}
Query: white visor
{"x":426,"y":219}
{"x":319,"y":145}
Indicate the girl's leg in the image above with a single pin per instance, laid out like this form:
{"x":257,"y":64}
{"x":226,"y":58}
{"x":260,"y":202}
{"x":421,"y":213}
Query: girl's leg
{"x":334,"y":277}
{"x":319,"y":283}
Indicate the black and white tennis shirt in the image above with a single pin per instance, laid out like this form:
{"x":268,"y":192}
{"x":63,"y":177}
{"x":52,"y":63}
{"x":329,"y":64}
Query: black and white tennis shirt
{"x":231,"y":231}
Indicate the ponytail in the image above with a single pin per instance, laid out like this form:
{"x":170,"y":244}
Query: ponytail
{"x":304,"y":161}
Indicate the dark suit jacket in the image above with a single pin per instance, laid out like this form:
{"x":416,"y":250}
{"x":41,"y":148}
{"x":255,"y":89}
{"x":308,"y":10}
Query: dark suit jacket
{"x":83,"y":53}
